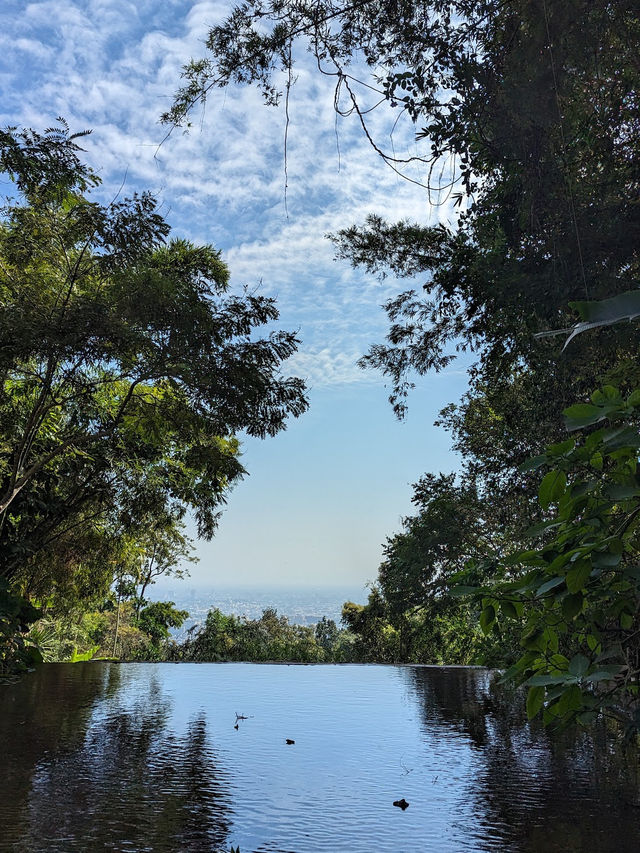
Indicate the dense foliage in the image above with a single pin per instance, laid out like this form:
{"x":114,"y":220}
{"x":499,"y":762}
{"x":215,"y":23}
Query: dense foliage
{"x":579,"y":591}
{"x":127,"y":369}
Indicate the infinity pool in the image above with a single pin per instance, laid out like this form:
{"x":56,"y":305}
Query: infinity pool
{"x":157,"y":757}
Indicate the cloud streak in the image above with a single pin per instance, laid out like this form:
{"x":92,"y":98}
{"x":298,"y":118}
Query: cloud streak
{"x":113,"y":65}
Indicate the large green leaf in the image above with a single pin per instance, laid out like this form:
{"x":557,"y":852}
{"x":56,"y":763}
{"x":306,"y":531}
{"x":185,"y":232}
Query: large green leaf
{"x":624,"y":306}
{"x":535,"y":700}
{"x":578,"y":576}
{"x":487,"y":618}
{"x":572,"y":605}
{"x":462,"y":591}
{"x":584,"y":414}
{"x":550,"y":584}
{"x":552,"y":487}
{"x":578,"y":665}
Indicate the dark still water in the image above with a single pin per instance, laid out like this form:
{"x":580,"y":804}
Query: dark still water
{"x":145,"y":757}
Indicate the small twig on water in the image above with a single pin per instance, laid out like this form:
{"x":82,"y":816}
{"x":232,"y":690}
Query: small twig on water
{"x":404,"y":767}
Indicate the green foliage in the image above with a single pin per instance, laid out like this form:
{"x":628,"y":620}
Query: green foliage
{"x":156,"y":618}
{"x":326,"y":634}
{"x":78,"y":657}
{"x":376,"y":638}
{"x":17,"y":650}
{"x":126,"y":369}
{"x":269,"y":638}
{"x":580,"y":589}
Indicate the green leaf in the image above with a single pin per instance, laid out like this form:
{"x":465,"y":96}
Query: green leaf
{"x":572,"y":605}
{"x":526,"y":558}
{"x":598,"y":675}
{"x":621,"y":438}
{"x":583,"y":414}
{"x":622,"y":491}
{"x":562,"y":448}
{"x":537,"y":530}
{"x":605,"y":560}
{"x":460,"y":591}
{"x":571,"y":700}
{"x":509,"y":609}
{"x":592,"y":642}
{"x":578,"y":576}
{"x":626,"y":620}
{"x":597,"y":461}
{"x":578,"y":665}
{"x":587,"y":718}
{"x":607,"y":394}
{"x":513,"y":671}
{"x":533,"y":464}
{"x":535,"y":701}
{"x":487,"y":618}
{"x":34,"y":654}
{"x":550,"y":584}
{"x":552,"y":487}
{"x":544,"y":680}
{"x":551,"y":638}
{"x":535,"y":640}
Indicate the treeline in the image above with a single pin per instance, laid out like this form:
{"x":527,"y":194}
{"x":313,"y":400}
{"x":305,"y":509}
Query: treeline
{"x":366,"y":636}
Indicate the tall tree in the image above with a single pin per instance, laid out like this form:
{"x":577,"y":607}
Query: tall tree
{"x":127,"y":366}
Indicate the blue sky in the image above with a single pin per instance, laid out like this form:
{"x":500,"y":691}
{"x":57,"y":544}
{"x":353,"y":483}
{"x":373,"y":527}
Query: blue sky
{"x":322,"y":497}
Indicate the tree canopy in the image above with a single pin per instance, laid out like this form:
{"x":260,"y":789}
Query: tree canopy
{"x":534,"y":108}
{"x":128,"y":369}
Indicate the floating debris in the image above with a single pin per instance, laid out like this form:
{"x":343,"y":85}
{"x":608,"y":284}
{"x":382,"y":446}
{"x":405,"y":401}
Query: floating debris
{"x":289,"y":741}
{"x":401,"y":804}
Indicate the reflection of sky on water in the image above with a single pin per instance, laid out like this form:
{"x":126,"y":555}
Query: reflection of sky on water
{"x":146,"y":757}
{"x":536,"y":791}
{"x":136,"y":783}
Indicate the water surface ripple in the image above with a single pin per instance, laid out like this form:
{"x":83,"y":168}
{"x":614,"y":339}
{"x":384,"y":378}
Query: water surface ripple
{"x":146,"y":757}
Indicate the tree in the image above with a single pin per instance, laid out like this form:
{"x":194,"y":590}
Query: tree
{"x":531,"y":110}
{"x":578,"y":585}
{"x":448,"y":529}
{"x":156,"y":619}
{"x":127,"y":366}
{"x":452,"y":526}
{"x":164,"y":551}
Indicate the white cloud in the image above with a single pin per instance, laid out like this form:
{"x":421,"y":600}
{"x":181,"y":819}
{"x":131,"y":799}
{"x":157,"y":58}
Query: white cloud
{"x":113,"y":65}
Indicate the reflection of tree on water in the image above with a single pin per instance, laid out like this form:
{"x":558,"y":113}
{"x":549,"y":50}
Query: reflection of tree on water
{"x":45,"y":714}
{"x":131,"y":784}
{"x":536,"y":791}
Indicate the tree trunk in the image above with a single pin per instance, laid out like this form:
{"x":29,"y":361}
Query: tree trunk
{"x":115,"y":636}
